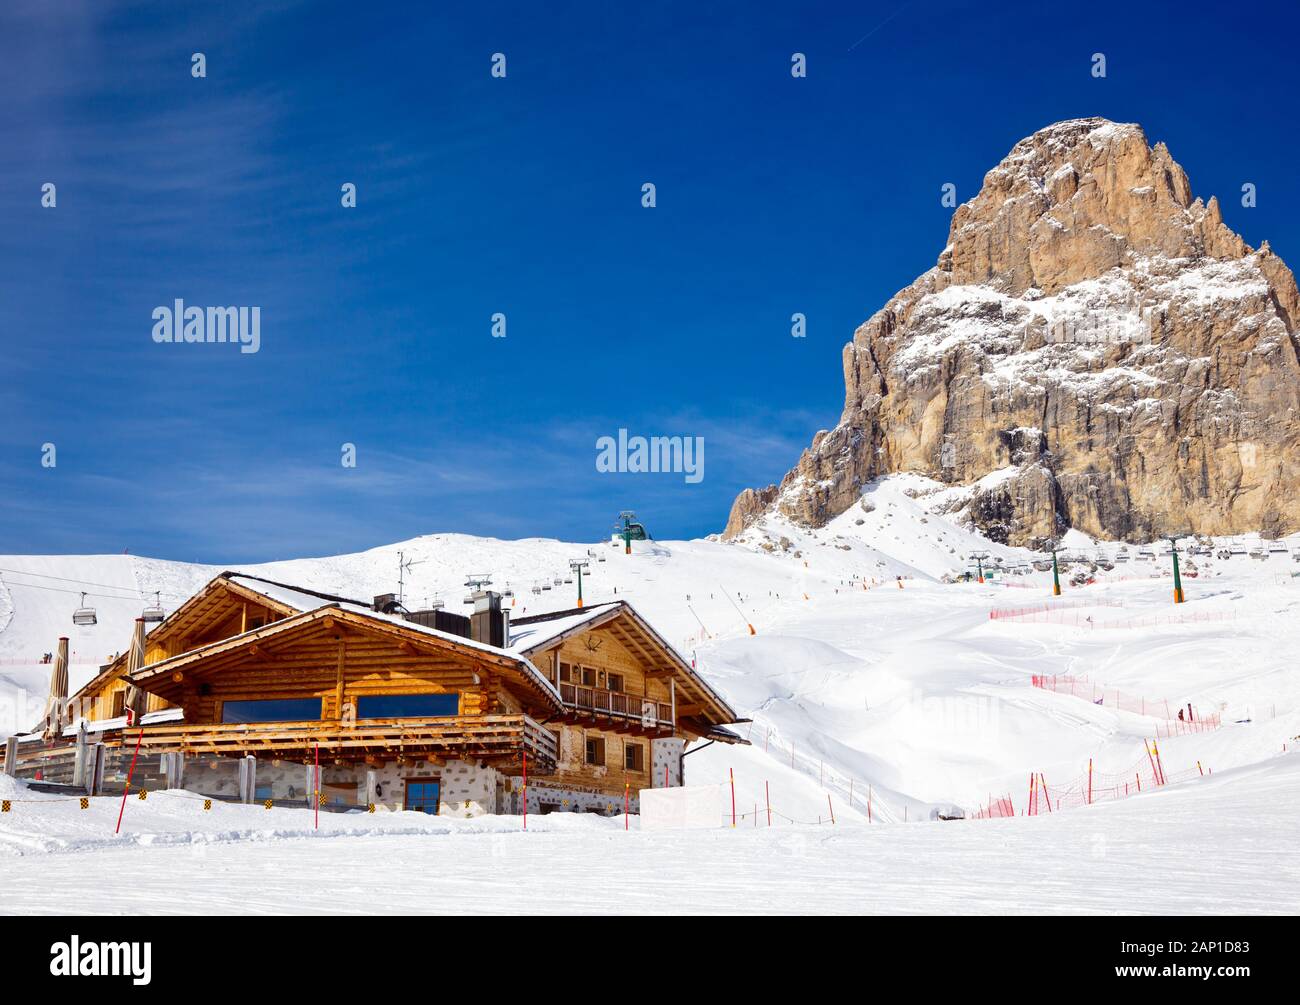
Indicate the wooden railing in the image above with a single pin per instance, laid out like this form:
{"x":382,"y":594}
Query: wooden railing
{"x":631,"y":706}
{"x":486,"y":736}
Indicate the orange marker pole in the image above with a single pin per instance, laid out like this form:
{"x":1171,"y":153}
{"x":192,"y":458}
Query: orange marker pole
{"x":732,"y":773}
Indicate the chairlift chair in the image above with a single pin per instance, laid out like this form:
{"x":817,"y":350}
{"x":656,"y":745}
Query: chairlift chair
{"x":84,"y":615}
{"x":154,"y":612}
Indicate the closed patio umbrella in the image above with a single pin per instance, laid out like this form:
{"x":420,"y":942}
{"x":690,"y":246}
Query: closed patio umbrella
{"x":56,"y":705}
{"x":136,"y":699}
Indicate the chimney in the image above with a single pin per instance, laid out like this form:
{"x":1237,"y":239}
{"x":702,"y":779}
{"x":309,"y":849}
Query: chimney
{"x":384,"y":601}
{"x":488,"y":623}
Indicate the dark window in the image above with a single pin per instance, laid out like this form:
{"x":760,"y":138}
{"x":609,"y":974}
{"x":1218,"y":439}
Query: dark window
{"x":634,"y":757}
{"x":119,"y":704}
{"x":616,"y":682}
{"x":271,"y":710}
{"x":566,"y":672}
{"x":407,"y":706}
{"x":588,"y":677}
{"x":595,"y":750}
{"x":422,"y":795}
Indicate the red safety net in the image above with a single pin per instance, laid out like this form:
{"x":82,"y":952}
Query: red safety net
{"x":1043,"y":611}
{"x":1097,"y":786}
{"x":1191,"y":721}
{"x":1000,"y":807}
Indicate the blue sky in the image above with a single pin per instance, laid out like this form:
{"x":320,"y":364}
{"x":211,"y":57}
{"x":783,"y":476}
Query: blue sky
{"x":521,"y":196}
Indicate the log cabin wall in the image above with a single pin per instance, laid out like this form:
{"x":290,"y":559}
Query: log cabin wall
{"x":603,"y":655}
{"x":338,"y":671}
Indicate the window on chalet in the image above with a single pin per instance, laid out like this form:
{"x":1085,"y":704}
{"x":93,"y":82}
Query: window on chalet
{"x":566,"y":672}
{"x":271,"y":710}
{"x":634,"y":757}
{"x":588,"y":677}
{"x":119,"y":705}
{"x":595,"y":750}
{"x":255,"y":623}
{"x":407,"y":706}
{"x":615,"y":682}
{"x":422,"y":795}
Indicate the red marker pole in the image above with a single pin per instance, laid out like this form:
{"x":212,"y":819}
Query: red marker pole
{"x":627,"y":798}
{"x":525,"y":790}
{"x":129,"y":773}
{"x":767,"y":794}
{"x":830,"y":807}
{"x":316,"y":775}
{"x":732,"y":773}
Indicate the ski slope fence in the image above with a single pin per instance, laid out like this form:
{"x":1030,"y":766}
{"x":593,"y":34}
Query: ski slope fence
{"x":859,"y":796}
{"x":1109,"y":697}
{"x":1068,"y":613}
{"x":1000,"y":807}
{"x":1096,"y":786}
{"x":1011,"y":613}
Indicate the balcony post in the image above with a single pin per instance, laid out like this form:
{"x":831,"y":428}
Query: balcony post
{"x":672,"y":698}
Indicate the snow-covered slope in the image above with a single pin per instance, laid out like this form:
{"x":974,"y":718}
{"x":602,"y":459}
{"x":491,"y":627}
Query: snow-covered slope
{"x":868,"y":675}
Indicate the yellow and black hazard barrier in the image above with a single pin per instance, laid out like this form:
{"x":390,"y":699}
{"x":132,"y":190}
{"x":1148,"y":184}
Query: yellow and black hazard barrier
{"x":85,"y":803}
{"x":320,"y":798}
{"x":207,"y":804}
{"x":268,"y":803}
{"x":4,"y":805}
{"x":370,"y":807}
{"x":144,"y":794}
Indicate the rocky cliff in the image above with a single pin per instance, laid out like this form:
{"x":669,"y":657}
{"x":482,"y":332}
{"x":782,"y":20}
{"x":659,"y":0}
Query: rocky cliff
{"x":1094,"y":348}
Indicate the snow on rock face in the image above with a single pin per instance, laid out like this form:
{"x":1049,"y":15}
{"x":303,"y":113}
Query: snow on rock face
{"x":1084,"y":293}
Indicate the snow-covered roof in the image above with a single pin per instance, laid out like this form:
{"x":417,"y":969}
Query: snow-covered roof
{"x":298,"y":598}
{"x":530,"y":633}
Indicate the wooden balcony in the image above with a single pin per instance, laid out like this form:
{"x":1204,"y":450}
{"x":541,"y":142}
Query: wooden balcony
{"x":633,"y":709}
{"x":499,"y":739}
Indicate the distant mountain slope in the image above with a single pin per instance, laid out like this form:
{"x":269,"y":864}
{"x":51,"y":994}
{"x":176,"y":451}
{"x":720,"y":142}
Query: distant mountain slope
{"x":1094,"y":327}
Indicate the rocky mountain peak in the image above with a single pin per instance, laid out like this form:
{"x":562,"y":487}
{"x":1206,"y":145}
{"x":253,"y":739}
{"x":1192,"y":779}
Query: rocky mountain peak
{"x":1095,"y":338}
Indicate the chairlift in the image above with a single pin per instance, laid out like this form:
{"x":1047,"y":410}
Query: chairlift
{"x":507,"y":592}
{"x":559,"y":581}
{"x":84,"y":615}
{"x":546,"y":586}
{"x":568,"y":579}
{"x":469,"y":598}
{"x":1277,"y":548}
{"x":154,"y":612}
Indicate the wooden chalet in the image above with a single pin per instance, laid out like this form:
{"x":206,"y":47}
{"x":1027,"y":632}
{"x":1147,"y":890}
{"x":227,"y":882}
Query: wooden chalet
{"x":422,"y":710}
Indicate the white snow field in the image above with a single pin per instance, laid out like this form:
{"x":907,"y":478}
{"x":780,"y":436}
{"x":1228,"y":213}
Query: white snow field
{"x":912,"y":697}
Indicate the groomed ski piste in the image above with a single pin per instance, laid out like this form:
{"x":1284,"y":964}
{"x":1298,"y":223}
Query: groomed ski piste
{"x":883,"y":706}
